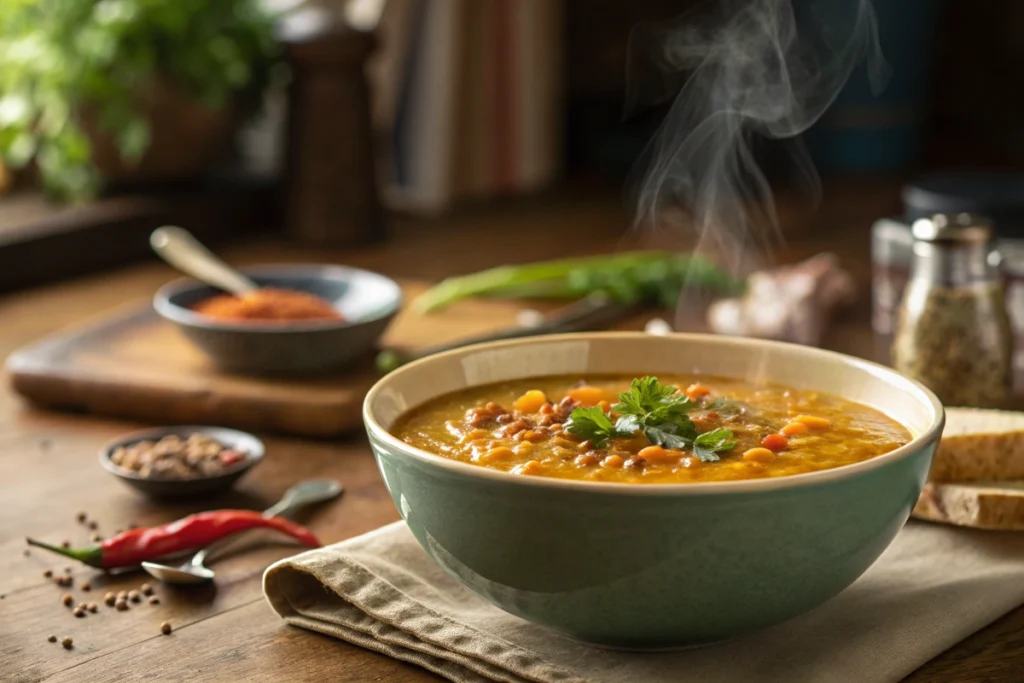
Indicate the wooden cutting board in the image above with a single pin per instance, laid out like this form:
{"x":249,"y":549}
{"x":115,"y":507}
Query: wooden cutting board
{"x":132,"y":364}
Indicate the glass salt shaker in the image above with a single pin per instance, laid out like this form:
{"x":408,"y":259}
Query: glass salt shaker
{"x":953,"y":332}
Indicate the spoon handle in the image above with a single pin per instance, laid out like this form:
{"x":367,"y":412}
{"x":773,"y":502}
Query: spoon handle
{"x":180,"y":249}
{"x":301,"y":494}
{"x":304,"y":493}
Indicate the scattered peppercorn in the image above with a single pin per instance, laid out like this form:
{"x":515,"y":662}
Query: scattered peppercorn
{"x":67,"y":643}
{"x":65,"y":581}
{"x":48,"y":573}
{"x":79,"y":612}
{"x":67,"y":599}
{"x":65,"y":543}
{"x":81,"y":516}
{"x":122,"y":595}
{"x":165,"y":628}
{"x":67,"y":570}
{"x":146,"y":589}
{"x":94,"y":525}
{"x":25,"y":552}
{"x":153,"y":600}
{"x":86,"y":586}
{"x":121,"y":605}
{"x":52,"y":639}
{"x":134,"y":596}
{"x":92,"y":607}
{"x":95,"y":538}
{"x":110,"y":599}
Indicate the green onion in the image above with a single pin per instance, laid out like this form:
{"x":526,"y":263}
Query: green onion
{"x":628,"y":278}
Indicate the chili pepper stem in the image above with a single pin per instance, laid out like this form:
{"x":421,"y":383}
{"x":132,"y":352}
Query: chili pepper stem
{"x":92,"y":556}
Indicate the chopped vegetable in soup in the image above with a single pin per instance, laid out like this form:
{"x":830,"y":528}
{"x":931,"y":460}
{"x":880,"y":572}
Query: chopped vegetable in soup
{"x":646,"y":430}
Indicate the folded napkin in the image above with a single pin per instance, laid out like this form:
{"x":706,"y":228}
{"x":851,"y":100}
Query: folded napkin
{"x":932,"y":588}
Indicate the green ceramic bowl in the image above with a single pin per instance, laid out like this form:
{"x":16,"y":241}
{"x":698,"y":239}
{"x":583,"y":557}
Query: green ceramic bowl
{"x":654,"y":566}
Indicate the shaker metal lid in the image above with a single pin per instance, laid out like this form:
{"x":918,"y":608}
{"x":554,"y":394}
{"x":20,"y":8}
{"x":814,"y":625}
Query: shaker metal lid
{"x":960,"y":227}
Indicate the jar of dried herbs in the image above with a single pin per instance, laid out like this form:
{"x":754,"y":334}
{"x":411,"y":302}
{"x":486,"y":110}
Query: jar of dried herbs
{"x":953,"y":333}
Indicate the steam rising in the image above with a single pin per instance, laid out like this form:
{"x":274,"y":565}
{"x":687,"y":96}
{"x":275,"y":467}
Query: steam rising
{"x":746,"y":69}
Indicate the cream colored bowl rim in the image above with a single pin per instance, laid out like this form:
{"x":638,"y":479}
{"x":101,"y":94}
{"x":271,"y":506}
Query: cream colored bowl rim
{"x":914,"y":390}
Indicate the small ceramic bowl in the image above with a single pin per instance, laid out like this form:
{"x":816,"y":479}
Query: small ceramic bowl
{"x":653,"y":566}
{"x":368,"y":301}
{"x":182,"y":488}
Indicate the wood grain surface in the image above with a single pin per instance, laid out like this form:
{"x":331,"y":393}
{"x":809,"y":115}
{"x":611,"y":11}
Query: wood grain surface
{"x":226,"y":632}
{"x":130,"y":363}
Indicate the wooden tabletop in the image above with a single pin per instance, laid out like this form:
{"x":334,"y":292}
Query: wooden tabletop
{"x":227,"y":632}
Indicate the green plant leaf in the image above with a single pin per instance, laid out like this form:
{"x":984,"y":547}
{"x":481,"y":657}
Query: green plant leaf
{"x":133,"y":140}
{"x":65,"y":56}
{"x":20,"y":150}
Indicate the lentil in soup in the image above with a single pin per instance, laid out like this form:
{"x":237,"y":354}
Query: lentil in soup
{"x":674,"y":430}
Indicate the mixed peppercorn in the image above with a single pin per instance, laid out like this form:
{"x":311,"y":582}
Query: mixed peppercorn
{"x":173,"y":457}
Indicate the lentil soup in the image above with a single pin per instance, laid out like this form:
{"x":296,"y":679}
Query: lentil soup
{"x":668,"y":430}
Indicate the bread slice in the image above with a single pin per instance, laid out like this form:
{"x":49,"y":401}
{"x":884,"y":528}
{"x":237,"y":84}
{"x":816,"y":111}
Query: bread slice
{"x":980,"y":445}
{"x":981,"y":505}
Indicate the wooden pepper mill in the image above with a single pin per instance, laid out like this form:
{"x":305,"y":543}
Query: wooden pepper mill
{"x":331,"y":195}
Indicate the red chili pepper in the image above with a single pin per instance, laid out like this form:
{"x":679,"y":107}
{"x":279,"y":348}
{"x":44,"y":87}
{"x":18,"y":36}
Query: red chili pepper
{"x":195,"y":531}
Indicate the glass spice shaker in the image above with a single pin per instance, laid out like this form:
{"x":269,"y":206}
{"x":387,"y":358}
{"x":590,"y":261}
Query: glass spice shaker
{"x":953,"y":333}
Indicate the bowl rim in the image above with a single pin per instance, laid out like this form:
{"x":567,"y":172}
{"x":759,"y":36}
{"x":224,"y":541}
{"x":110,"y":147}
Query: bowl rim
{"x":932,"y":433}
{"x":183,"y":316}
{"x":106,"y":449}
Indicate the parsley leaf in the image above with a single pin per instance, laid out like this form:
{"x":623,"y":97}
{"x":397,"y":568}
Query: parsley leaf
{"x":669,"y":435}
{"x":708,"y":445}
{"x":645,"y":394}
{"x":659,"y":411}
{"x":593,"y":424}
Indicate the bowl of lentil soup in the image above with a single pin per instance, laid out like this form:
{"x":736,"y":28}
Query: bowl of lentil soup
{"x":677,"y":490}
{"x":365,"y":302}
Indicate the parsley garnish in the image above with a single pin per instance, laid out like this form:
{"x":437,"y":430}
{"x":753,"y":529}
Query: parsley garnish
{"x":593,"y":424}
{"x":653,"y":403}
{"x":657,"y":410}
{"x":708,"y":445}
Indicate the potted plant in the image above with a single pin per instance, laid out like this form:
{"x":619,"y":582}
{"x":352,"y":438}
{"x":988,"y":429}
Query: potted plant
{"x":100,"y":90}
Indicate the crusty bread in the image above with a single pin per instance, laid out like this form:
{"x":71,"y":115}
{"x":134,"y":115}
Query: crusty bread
{"x":980,"y":445}
{"x":982,"y":505}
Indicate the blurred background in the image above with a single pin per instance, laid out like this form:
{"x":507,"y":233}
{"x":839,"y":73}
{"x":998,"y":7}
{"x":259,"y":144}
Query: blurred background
{"x":330,"y":122}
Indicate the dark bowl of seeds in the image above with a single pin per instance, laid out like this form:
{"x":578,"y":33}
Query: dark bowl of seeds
{"x":182,"y":461}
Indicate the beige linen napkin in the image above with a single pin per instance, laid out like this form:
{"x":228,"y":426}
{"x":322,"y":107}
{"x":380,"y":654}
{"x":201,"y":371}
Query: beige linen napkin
{"x":932,"y":588}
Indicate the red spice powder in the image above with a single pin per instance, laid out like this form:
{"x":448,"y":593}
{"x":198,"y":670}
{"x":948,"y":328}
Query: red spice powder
{"x":268,"y":304}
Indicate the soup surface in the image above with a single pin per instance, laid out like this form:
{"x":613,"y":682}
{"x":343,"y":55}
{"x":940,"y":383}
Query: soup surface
{"x":672,"y":429}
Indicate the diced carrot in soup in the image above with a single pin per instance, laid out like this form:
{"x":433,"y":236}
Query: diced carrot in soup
{"x":695,"y":392}
{"x":775,"y":442}
{"x":531,"y":401}
{"x":591,"y":396}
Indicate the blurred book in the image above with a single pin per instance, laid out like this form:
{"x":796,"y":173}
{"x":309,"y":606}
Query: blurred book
{"x":468,"y":98}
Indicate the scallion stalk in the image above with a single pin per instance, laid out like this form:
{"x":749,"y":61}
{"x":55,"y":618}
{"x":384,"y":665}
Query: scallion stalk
{"x":629,"y":278}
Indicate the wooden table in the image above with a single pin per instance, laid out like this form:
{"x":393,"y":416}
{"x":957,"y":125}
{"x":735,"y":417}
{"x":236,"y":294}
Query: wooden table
{"x":227,"y":632}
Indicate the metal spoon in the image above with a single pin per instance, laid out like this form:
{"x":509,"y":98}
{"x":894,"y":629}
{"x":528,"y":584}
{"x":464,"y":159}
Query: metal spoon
{"x":183,"y":251}
{"x":193,"y":571}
